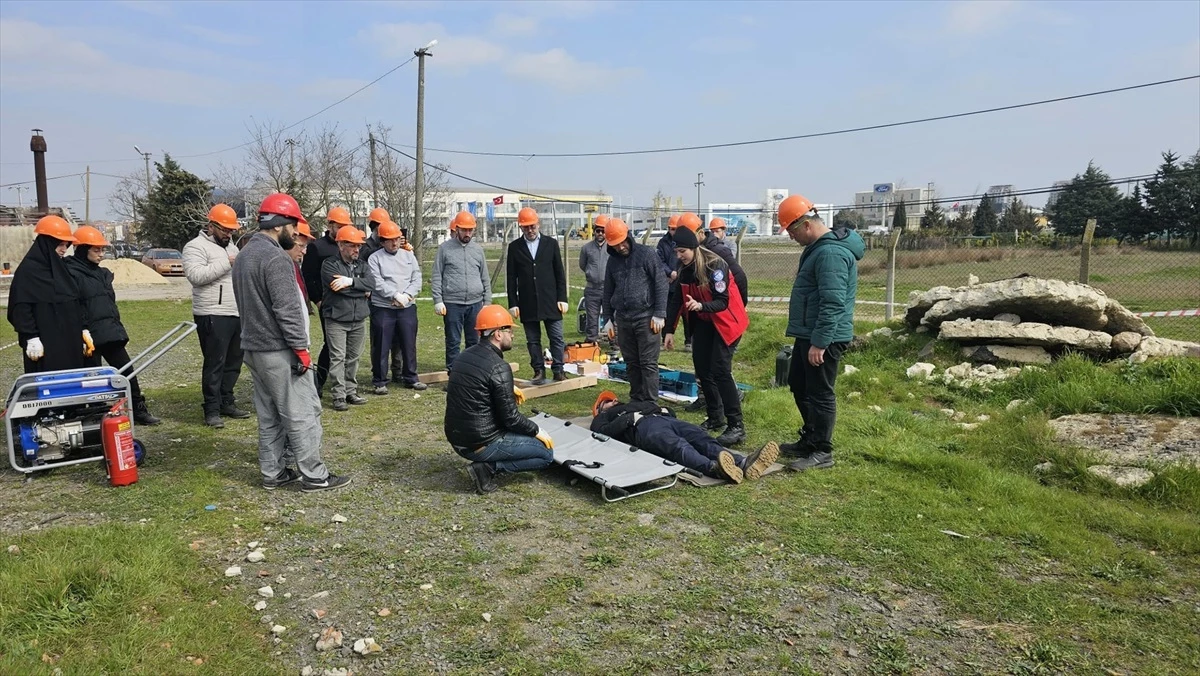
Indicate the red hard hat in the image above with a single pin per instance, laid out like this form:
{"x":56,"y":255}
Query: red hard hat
{"x":90,"y":236}
{"x":224,"y":216}
{"x":338,"y":215}
{"x":352,"y":235}
{"x":527,"y":216}
{"x":792,"y":208}
{"x":281,"y":204}
{"x":54,"y":226}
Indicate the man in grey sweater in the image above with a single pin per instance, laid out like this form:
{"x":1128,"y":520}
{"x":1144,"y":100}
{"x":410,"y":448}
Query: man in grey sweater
{"x":593,"y":258}
{"x":460,"y":284}
{"x":275,"y":339}
{"x":397,"y":278}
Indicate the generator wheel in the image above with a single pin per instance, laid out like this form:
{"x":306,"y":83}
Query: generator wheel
{"x":139,"y":451}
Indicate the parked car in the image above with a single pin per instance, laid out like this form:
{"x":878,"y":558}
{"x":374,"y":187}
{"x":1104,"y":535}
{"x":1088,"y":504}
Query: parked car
{"x":166,"y":262}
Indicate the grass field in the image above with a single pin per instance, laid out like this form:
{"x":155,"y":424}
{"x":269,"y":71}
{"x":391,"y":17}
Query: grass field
{"x":840,"y":571}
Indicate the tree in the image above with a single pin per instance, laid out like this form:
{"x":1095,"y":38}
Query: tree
{"x":851,"y":219}
{"x":985,"y":221}
{"x":900,"y":217}
{"x":933,"y":218}
{"x":1017,"y":218}
{"x":1171,"y":198}
{"x":177,"y":206}
{"x":964,"y":223}
{"x":1133,"y":221}
{"x":1088,"y":195}
{"x":124,"y":198}
{"x":397,"y":190}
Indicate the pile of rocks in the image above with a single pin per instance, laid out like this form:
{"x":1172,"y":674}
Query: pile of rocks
{"x":1030,"y":320}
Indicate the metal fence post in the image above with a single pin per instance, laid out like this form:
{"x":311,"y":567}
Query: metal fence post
{"x":893,"y":242}
{"x":1085,"y":253}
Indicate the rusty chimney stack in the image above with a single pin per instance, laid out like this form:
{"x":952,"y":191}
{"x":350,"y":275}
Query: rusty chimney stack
{"x":38,"y":145}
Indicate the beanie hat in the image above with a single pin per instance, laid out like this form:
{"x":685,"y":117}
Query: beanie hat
{"x":685,"y":238}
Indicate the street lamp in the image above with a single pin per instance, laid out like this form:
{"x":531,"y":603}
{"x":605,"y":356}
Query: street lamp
{"x":145,"y":156}
{"x":419,"y":188}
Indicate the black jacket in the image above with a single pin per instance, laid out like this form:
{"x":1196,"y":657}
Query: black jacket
{"x":310,"y":269}
{"x":479,"y":399}
{"x":370,"y":246}
{"x":100,"y":300}
{"x":617,"y":421}
{"x":665,"y":249}
{"x":351,"y":303}
{"x":719,"y":247}
{"x":44,"y":303}
{"x":536,"y":287}
{"x":635,"y":286}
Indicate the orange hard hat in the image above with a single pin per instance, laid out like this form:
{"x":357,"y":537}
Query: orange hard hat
{"x":492,"y":317}
{"x":224,"y":216}
{"x":378,"y":215}
{"x":793,"y":209}
{"x":303,"y":230}
{"x":302,"y":221}
{"x":615,"y":232}
{"x":54,"y":226}
{"x":389,"y":230}
{"x":90,"y":236}
{"x":717,"y":223}
{"x":463,"y":219}
{"x":690,"y":221}
{"x":606,"y":395}
{"x":673,"y":222}
{"x":352,"y":235}
{"x":339,"y":215}
{"x":527,"y":216}
{"x":601,"y":220}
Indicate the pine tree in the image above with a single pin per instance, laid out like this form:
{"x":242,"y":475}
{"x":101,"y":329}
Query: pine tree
{"x":851,"y":219}
{"x":985,"y":222}
{"x":933,"y":218}
{"x":1133,"y":221}
{"x":1171,"y":198}
{"x":900,"y":217}
{"x":1088,"y":195}
{"x":176,"y":208}
{"x":1017,"y":218}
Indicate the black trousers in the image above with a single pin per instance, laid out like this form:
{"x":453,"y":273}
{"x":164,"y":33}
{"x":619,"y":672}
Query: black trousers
{"x":812,"y":388}
{"x":713,"y":360}
{"x":640,"y":348}
{"x":117,"y":357}
{"x":394,"y":337}
{"x":322,"y":372}
{"x":221,"y":344}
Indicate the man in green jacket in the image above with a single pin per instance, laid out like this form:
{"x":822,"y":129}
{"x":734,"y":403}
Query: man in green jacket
{"x":821,"y":319}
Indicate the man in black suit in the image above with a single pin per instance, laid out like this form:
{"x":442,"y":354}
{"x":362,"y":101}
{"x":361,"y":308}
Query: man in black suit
{"x":537,"y":292}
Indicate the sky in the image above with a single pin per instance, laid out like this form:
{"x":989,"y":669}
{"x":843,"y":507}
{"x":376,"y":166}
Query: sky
{"x":546,"y":77}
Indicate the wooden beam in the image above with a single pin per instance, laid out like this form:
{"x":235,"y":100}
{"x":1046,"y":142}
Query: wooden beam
{"x":444,"y":376}
{"x":535,"y":391}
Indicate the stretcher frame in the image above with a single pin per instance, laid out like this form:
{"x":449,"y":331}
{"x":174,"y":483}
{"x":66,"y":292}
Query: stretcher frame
{"x":613,"y":465}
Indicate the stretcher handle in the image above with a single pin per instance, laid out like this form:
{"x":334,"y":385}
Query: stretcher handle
{"x":175,"y":335}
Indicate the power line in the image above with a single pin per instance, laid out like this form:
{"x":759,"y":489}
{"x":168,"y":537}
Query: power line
{"x":796,"y":137}
{"x":51,"y":178}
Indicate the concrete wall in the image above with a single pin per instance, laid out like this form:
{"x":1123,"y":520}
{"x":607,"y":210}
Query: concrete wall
{"x":15,"y":241}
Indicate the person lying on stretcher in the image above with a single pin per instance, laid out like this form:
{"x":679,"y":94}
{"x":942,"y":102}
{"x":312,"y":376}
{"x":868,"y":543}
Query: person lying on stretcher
{"x":656,"y":430}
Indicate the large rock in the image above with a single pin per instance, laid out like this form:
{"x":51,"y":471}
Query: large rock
{"x":1127,"y":439}
{"x":1126,"y":342}
{"x":1035,"y":300}
{"x":1121,"y":320}
{"x":919,"y":302}
{"x":1026,"y":333}
{"x":1164,"y":347}
{"x":1016,"y":354}
{"x":1126,"y":477}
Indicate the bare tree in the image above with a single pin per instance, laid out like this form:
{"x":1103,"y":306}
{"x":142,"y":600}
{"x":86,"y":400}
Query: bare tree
{"x":233,"y":184}
{"x":127,"y":194}
{"x":327,"y":169}
{"x":269,"y":158}
{"x":396,"y":178}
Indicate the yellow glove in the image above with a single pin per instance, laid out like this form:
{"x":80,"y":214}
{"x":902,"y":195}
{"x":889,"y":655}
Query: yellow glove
{"x":519,"y":395}
{"x":89,"y":348}
{"x":545,"y":439}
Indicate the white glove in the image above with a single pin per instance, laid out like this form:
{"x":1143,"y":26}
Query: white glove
{"x":562,"y":308}
{"x":34,"y":349}
{"x":403,"y":299}
{"x":610,"y":330}
{"x":440,"y":309}
{"x":657,"y":323}
{"x":515,"y":312}
{"x":545,"y":439}
{"x":340,"y":283}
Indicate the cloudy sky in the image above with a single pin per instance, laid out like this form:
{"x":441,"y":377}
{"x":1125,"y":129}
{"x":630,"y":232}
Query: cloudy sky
{"x":546,"y":77}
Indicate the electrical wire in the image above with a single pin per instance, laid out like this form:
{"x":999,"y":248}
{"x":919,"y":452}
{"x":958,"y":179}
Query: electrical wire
{"x":50,"y":178}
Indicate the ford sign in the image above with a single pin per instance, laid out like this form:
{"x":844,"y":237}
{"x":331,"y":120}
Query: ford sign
{"x":883,"y":187}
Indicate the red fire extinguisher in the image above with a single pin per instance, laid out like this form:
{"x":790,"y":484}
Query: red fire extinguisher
{"x":116,"y":433}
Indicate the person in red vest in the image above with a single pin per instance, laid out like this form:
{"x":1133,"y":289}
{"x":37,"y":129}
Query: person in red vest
{"x":707,"y":292}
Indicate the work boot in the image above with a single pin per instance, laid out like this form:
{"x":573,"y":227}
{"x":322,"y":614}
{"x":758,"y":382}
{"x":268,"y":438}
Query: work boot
{"x":755,"y":464}
{"x":232,"y":411}
{"x":733,"y":435}
{"x":559,"y":376}
{"x":142,"y":415}
{"x":356,"y":399}
{"x":727,"y":466}
{"x":483,"y":476}
{"x":380,"y":389}
{"x":713,"y":424}
{"x":539,"y":377}
{"x":214,"y":420}
{"x":287,"y":476}
{"x":340,"y":405}
{"x":815,"y":460}
{"x":418,"y":386}
{"x":698,"y":405}
{"x":329,"y":483}
{"x":802,"y":448}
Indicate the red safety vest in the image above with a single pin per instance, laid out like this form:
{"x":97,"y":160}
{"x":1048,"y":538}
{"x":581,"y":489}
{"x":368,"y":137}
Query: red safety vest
{"x":731,"y":322}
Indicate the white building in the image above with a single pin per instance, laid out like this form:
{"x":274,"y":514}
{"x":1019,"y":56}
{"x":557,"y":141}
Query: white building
{"x":878,"y":205}
{"x":559,"y":211}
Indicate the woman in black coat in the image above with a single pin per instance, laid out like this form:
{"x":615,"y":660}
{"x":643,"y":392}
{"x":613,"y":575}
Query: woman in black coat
{"x":44,"y":305}
{"x":100,"y":301}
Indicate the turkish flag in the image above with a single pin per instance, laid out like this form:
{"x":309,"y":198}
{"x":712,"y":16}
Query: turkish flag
{"x":498,"y":200}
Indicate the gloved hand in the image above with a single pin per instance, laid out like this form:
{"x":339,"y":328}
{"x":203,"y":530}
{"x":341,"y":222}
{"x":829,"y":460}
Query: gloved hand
{"x":305,"y":361}
{"x":518,"y":395}
{"x":440,"y":309}
{"x":657,"y":323}
{"x":402,"y":299}
{"x":610,"y":330}
{"x":562,"y":308}
{"x":545,"y":439}
{"x":339,"y":282}
{"x":89,"y":348}
{"x":515,"y":312}
{"x":34,"y":349}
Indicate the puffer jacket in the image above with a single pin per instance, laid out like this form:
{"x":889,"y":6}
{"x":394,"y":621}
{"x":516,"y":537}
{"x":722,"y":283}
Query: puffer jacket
{"x":100,"y":300}
{"x":479,"y":399}
{"x":821,"y":310}
{"x":207,"y":267}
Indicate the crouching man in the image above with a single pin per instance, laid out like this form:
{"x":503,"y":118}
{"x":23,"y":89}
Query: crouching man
{"x":482,"y":421}
{"x":656,"y":430}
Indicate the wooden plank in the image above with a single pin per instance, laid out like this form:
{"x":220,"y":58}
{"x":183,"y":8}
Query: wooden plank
{"x":535,"y":391}
{"x":435,"y":377}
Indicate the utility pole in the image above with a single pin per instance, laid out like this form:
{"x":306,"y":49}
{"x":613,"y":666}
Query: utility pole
{"x":20,"y":189}
{"x":698,"y":183}
{"x":419,"y":183}
{"x":146,"y":157}
{"x":87,"y":195}
{"x":374,"y":179}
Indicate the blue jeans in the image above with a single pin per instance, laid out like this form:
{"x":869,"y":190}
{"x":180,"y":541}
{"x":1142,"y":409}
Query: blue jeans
{"x":459,"y":320}
{"x":512,"y":453}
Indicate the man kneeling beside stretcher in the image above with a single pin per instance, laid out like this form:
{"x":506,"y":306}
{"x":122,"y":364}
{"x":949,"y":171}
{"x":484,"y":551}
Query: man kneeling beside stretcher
{"x":656,"y":430}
